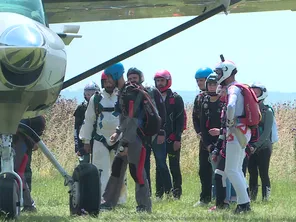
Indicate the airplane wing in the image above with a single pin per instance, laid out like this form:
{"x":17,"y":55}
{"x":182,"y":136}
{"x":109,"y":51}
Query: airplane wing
{"x":64,"y":11}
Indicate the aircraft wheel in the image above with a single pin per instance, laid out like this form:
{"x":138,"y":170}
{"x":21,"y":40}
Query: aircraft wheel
{"x":85,"y":195}
{"x":9,"y":197}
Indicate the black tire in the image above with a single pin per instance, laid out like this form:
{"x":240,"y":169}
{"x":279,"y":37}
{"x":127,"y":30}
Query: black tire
{"x":9,"y":197}
{"x":86,"y":192}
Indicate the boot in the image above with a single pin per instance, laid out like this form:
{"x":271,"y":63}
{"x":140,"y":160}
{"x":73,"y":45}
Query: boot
{"x":266,"y":193}
{"x":253,"y":193}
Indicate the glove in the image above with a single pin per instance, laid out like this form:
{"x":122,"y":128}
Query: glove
{"x":229,"y":123}
{"x":215,"y":154}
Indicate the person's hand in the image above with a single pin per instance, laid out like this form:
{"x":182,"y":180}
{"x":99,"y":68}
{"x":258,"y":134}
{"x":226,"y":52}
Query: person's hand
{"x":114,"y":137}
{"x":177,"y":145}
{"x":209,"y":148}
{"x":35,"y":147}
{"x":252,"y":150}
{"x":160,"y":139}
{"x":87,"y":148}
{"x":214,"y":132}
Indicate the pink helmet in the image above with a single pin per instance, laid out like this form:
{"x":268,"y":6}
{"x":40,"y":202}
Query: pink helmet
{"x":166,"y":75}
{"x":103,"y":77}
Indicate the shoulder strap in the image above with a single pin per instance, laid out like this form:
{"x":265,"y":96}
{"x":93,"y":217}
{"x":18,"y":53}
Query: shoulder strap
{"x":98,"y":109}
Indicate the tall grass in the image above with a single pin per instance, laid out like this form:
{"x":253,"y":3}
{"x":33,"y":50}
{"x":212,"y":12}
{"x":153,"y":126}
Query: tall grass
{"x":59,"y":139}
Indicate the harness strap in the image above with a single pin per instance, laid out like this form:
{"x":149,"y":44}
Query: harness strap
{"x":102,"y":139}
{"x":108,"y":109}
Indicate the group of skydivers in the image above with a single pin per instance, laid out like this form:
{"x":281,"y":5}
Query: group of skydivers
{"x":218,"y":119}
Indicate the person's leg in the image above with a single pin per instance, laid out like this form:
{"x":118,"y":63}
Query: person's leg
{"x":233,"y":170}
{"x":205,"y":175}
{"x":148,"y":146}
{"x":136,"y":160}
{"x":174,"y":162}
{"x":101,"y":159}
{"x":263,"y":165}
{"x":253,"y":176}
{"x":220,"y":177}
{"x":115,"y":182}
{"x":28,"y":170}
{"x":163,"y":175}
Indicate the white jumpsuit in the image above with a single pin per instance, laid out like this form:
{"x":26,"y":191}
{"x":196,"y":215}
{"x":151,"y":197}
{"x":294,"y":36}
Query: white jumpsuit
{"x":235,"y":151}
{"x":107,"y":122}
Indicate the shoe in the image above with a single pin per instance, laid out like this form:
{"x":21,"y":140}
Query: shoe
{"x":200,"y":204}
{"x":142,"y":208}
{"x":106,"y":207}
{"x":213,"y":208}
{"x":242,"y":208}
{"x":177,"y":193}
{"x":29,"y":209}
{"x":225,"y":206}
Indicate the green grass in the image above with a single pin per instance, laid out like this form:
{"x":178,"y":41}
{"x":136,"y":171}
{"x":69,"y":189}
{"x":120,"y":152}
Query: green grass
{"x":51,"y":198}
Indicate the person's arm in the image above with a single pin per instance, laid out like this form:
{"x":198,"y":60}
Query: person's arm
{"x":231,"y":106}
{"x":178,"y":118}
{"x":160,"y":105}
{"x":78,"y":121}
{"x":87,"y":127}
{"x":203,"y":129}
{"x":196,"y":114}
{"x":268,"y":121}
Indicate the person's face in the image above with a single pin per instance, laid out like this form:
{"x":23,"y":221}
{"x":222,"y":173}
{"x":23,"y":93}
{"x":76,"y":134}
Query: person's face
{"x":109,"y":84}
{"x":257,"y":91}
{"x":160,"y":83}
{"x":133,"y":78}
{"x":88,"y":94}
{"x":212,"y":87}
{"x":201,"y":83}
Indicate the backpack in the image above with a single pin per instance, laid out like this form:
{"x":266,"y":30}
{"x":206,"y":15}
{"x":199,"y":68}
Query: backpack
{"x":252,"y":115}
{"x":135,"y":102}
{"x":172,"y":101}
{"x":274,"y":132}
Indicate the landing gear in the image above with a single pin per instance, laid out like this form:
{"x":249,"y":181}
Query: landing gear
{"x":11,"y":192}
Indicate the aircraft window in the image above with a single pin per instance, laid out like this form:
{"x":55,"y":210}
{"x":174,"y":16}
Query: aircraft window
{"x":32,"y":9}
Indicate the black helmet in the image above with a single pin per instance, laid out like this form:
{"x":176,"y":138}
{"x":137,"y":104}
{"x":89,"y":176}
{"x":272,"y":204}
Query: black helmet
{"x":212,"y":78}
{"x":134,"y":70}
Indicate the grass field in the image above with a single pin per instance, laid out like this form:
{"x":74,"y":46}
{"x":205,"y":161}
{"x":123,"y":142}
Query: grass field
{"x":52,"y":198}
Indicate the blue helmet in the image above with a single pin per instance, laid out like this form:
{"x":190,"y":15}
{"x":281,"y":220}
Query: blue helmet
{"x":203,"y":72}
{"x":116,"y":71}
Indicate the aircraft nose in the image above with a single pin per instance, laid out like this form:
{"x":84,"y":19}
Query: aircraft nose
{"x":23,"y":51}
{"x":22,"y":36}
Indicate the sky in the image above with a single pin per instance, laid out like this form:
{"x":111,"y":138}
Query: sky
{"x":262,"y":45}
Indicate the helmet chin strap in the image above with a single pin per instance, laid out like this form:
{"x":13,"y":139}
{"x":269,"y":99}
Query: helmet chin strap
{"x":212,"y":93}
{"x":86,"y":99}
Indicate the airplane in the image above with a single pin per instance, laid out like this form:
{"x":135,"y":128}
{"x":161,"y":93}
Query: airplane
{"x":33,"y":64}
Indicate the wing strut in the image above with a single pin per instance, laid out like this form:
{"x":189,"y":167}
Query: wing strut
{"x":223,"y":7}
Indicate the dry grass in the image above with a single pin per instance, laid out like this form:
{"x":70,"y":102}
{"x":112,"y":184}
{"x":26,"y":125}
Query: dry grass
{"x":59,"y":138}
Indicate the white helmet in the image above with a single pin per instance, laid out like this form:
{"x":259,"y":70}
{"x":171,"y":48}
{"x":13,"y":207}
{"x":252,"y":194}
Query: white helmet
{"x":262,"y":88}
{"x":90,"y":89}
{"x":225,"y":70}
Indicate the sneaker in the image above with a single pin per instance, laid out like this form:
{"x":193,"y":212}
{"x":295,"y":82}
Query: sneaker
{"x":29,"y":209}
{"x":200,"y":204}
{"x":242,"y":208}
{"x":142,"y":208}
{"x":105,"y":207}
